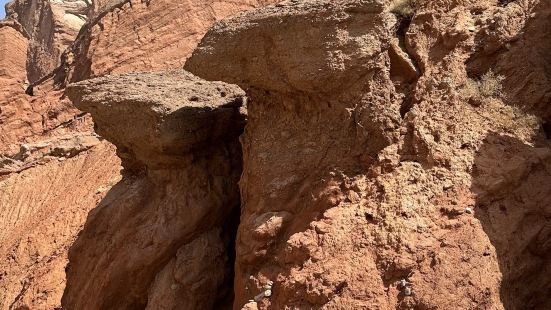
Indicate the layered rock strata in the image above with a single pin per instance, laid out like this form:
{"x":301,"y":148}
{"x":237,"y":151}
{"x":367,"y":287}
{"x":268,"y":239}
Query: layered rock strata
{"x":51,"y":27}
{"x":135,"y":35}
{"x":53,"y":168}
{"x":161,"y":239}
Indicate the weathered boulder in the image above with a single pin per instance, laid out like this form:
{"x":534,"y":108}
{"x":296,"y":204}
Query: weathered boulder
{"x":366,"y":131}
{"x":160,"y":238}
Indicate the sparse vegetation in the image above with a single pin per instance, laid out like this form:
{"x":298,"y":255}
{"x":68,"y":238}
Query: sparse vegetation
{"x":403,"y":8}
{"x":489,"y":85}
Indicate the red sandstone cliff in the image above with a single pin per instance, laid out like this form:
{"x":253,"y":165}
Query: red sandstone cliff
{"x":53,"y":168}
{"x":396,"y":155}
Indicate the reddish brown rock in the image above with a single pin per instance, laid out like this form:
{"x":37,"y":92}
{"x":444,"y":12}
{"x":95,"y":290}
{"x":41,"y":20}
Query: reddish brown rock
{"x":41,"y":211}
{"x":160,"y":238}
{"x":43,"y":136}
{"x":368,"y":187}
{"x":51,"y":27}
{"x":135,"y":35}
{"x":13,"y":57}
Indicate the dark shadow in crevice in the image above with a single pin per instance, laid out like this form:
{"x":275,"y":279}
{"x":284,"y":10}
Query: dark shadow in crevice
{"x":512,"y":181}
{"x":404,"y":71}
{"x":226,"y":295}
{"x":504,"y":3}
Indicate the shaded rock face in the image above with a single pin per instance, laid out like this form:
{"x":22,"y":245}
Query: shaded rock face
{"x":379,"y":170}
{"x":135,"y":35}
{"x":160,"y":238}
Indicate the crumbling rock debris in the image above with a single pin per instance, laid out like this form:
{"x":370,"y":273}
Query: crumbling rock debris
{"x":161,"y":236}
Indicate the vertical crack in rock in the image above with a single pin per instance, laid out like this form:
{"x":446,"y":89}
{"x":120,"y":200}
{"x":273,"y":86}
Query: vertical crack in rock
{"x":404,"y":71}
{"x":160,"y":238}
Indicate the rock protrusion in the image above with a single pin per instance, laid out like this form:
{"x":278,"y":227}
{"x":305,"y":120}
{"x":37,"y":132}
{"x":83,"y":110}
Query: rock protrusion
{"x":162,"y":236}
{"x":157,"y":119}
{"x":367,"y":138}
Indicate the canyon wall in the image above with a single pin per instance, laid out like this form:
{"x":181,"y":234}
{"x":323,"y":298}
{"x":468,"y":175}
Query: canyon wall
{"x":138,"y":35}
{"x":385,"y":165}
{"x":53,"y":168}
{"x":396,"y":155}
{"x":51,"y":27}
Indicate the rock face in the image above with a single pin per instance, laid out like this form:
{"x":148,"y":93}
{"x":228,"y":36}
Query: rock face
{"x":13,"y":57}
{"x":136,"y":35}
{"x":51,"y":27}
{"x":53,"y":168}
{"x":41,"y":211}
{"x":383,"y":167}
{"x":396,"y":155}
{"x":161,"y":236}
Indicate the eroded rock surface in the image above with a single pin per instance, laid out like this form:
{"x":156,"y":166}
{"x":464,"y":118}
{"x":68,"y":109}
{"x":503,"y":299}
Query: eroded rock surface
{"x":160,"y":239}
{"x":380,"y":170}
{"x":53,"y":168}
{"x":44,"y":139}
{"x":135,"y":35}
{"x":51,"y":26}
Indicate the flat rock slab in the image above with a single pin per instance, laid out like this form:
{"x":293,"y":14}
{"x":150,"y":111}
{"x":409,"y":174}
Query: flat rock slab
{"x":155,"y":119}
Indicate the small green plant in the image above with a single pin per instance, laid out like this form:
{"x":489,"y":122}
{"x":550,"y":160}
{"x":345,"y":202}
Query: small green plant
{"x":403,"y":8}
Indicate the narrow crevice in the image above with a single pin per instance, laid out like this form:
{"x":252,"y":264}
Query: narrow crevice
{"x":547,"y":129}
{"x":406,"y":105}
{"x":226,"y":296}
{"x":404,"y":71}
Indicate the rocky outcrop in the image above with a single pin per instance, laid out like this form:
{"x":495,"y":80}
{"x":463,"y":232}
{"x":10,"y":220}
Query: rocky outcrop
{"x":51,"y":27}
{"x":381,"y":171}
{"x":53,"y":168}
{"x":135,"y":35}
{"x":161,"y":237}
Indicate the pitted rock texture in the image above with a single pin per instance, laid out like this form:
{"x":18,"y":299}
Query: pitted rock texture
{"x":378,"y":172}
{"x":137,"y":35}
{"x":175,"y":113}
{"x":161,"y":237}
